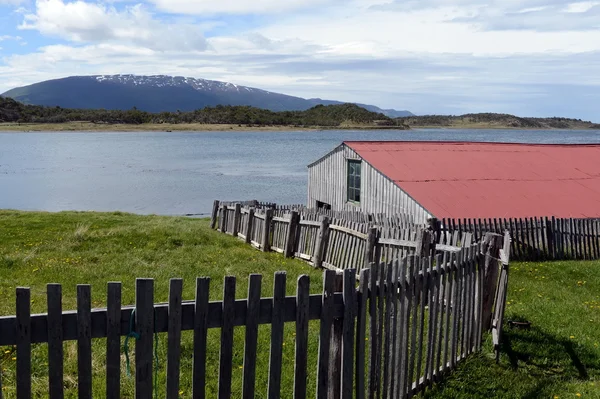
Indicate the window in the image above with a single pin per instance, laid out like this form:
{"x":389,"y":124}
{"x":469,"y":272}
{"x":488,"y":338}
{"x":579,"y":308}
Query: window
{"x":354,"y":180}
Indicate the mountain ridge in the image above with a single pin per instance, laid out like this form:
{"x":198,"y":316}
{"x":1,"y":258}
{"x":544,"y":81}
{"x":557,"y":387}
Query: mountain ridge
{"x":160,"y":93}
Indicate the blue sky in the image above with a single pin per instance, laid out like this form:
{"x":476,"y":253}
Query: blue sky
{"x":525,"y":57}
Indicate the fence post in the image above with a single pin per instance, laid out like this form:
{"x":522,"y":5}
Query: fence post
{"x":223,"y":220}
{"x":435,"y":227}
{"x":290,"y":239}
{"x":335,"y":354}
{"x":372,"y":240}
{"x":236,"y":219}
{"x":321,"y":242}
{"x":266,"y":238}
{"x":424,"y":240}
{"x":550,"y":238}
{"x":249,"y":223}
{"x":490,"y":251}
{"x":213,"y":215}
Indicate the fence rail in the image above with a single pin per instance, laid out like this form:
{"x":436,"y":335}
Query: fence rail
{"x":537,"y":238}
{"x":418,"y":317}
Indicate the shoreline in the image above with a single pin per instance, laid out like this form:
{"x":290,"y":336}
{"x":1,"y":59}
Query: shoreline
{"x":78,"y":127}
{"x":82,"y":127}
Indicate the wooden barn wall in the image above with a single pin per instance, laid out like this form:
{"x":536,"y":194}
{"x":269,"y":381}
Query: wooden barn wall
{"x":327,"y":181}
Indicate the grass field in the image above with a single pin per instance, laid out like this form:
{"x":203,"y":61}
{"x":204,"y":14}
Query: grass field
{"x":74,"y":248}
{"x":558,"y":357}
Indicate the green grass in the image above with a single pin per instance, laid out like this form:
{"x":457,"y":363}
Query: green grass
{"x":559,"y":356}
{"x":94,"y":248}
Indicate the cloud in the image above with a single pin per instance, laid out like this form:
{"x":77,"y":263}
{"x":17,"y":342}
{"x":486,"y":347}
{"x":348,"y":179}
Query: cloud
{"x":202,"y":7}
{"x":11,"y":2}
{"x":80,"y":21}
{"x":9,"y":37}
{"x":584,"y":16}
{"x":428,"y":56}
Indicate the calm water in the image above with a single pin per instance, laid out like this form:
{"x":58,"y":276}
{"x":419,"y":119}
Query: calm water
{"x":179,"y":173}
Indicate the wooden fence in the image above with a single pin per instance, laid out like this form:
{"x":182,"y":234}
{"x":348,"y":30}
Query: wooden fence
{"x":409,"y":322}
{"x":330,"y":243}
{"x":537,"y":238}
{"x":403,"y":221}
{"x":335,"y":244}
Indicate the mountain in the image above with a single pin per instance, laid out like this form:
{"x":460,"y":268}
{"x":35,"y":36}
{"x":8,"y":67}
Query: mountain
{"x":161,"y":93}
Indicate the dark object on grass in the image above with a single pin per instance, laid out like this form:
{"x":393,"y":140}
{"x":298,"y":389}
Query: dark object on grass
{"x":519,"y":324}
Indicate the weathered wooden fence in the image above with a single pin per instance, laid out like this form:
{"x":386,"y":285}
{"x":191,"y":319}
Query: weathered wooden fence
{"x":537,"y":238}
{"x":402,"y":221}
{"x":335,"y":244}
{"x":415,"y":318}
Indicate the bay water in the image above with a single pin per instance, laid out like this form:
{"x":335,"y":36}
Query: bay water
{"x":182,"y":173}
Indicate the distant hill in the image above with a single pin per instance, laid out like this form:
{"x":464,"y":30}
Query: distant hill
{"x":342,"y":115}
{"x":491,"y":120}
{"x":161,"y":93}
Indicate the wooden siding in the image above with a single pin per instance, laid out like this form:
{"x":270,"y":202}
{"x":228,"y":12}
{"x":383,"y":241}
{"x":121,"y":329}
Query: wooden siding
{"x":327,"y":182}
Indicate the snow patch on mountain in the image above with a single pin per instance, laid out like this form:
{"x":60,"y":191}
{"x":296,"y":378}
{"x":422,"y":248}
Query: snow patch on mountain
{"x":175,"y":81}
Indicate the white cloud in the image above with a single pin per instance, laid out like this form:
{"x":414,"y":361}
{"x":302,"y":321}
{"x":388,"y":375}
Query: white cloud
{"x":11,"y":2}
{"x":581,"y":7}
{"x":80,"y":21}
{"x":202,"y":7}
{"x":427,"y":56}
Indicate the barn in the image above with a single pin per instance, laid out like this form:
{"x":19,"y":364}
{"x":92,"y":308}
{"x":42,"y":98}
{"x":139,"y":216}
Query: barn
{"x":458,"y":179}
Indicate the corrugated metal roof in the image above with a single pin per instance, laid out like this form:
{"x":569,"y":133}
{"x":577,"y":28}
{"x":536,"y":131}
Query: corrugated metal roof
{"x":483,"y":180}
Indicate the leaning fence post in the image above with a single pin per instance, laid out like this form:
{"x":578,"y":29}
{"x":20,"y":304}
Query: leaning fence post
{"x":266,"y":238}
{"x":290,"y":239}
{"x":371,"y":243}
{"x":223,"y":220}
{"x":492,"y":243}
{"x":335,"y":354}
{"x":321,"y":242}
{"x":249,"y":224}
{"x":213,"y":215}
{"x":236,"y":219}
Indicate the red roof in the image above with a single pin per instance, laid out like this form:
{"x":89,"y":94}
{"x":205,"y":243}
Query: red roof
{"x":488,"y":180}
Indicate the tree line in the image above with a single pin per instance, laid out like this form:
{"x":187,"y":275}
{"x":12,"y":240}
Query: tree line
{"x":320,"y":115}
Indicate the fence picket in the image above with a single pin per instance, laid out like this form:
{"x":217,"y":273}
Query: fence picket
{"x":349,"y":296}
{"x":424,"y":287}
{"x":373,"y":331}
{"x":274,"y":387}
{"x":414,"y":309}
{"x":23,"y":342}
{"x":387,"y":329}
{"x":84,"y":341}
{"x":113,"y":341}
{"x":200,"y":338}
{"x":393,"y":292}
{"x":251,"y":336}
{"x":226,"y":353}
{"x":301,"y":357}
{"x":361,"y":322}
{"x":174,"y":337}
{"x":55,"y":341}
{"x":325,"y":334}
{"x":144,"y":324}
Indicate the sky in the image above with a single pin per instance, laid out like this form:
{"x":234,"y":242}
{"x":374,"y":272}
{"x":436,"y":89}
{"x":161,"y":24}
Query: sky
{"x":524,"y":57}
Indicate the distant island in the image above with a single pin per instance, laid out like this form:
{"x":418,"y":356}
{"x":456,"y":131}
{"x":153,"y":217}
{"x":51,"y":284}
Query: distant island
{"x":15,"y":116}
{"x":496,"y":121}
